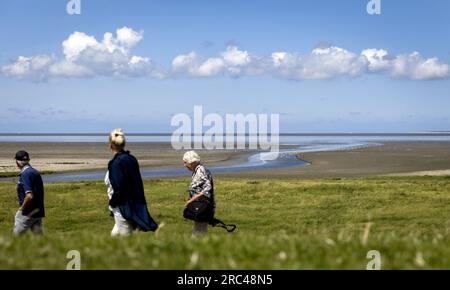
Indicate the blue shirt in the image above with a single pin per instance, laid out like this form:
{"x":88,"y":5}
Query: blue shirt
{"x":30,"y":180}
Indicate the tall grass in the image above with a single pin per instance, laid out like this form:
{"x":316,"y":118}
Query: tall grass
{"x":304,"y":224}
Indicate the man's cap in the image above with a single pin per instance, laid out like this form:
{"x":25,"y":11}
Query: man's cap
{"x":22,"y":156}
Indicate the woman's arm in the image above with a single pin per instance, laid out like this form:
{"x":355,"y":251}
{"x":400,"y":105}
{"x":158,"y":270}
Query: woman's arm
{"x":200,"y":180}
{"x":194,"y":198}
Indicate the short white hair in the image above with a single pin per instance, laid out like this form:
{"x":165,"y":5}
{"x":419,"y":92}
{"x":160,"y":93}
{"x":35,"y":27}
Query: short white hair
{"x":191,"y":157}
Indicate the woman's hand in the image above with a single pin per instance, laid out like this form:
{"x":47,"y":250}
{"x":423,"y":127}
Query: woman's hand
{"x":188,"y":202}
{"x":194,"y":198}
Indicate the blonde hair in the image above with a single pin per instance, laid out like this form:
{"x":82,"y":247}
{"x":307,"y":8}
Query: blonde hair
{"x":191,"y":157}
{"x":117,"y":138}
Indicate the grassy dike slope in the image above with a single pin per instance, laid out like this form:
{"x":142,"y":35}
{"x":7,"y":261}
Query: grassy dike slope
{"x":304,"y":224}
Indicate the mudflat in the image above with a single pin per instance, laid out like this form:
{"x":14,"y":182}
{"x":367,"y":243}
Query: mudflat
{"x":392,"y":158}
{"x":399,"y":158}
{"x":74,"y":156}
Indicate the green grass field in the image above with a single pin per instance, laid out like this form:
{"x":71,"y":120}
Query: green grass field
{"x":287,"y":224}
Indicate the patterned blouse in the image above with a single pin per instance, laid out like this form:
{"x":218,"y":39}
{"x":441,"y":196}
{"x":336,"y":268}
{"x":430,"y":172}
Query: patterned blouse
{"x":202,"y":181}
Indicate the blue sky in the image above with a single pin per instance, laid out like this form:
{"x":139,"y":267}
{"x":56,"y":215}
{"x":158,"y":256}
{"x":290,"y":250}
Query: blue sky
{"x":301,"y":59}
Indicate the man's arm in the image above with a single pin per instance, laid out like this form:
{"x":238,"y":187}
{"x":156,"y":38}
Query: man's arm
{"x":27,"y":200}
{"x":28,"y":186}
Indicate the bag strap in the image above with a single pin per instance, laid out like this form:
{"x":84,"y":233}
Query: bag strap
{"x":218,"y":223}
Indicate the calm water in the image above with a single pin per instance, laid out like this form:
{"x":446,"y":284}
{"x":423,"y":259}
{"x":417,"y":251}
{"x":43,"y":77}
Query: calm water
{"x":286,"y":158}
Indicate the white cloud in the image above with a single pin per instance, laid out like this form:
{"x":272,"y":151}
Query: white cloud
{"x":282,"y":58}
{"x":69,"y":69}
{"x":331,"y":62}
{"x":285,"y":64}
{"x":85,"y":56}
{"x":128,"y":37}
{"x":41,"y":61}
{"x":211,"y":67}
{"x":194,"y":66}
{"x":111,"y":57}
{"x":186,"y":63}
{"x":415,"y":66}
{"x":321,"y":63}
{"x":231,"y":61}
{"x":76,"y":43}
{"x":378,"y":59}
{"x":29,"y":67}
{"x":408,"y":66}
{"x":235,"y":57}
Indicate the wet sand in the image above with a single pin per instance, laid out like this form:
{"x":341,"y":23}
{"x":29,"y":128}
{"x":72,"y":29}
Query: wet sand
{"x":67,"y":157}
{"x":393,"y":158}
{"x":400,"y":158}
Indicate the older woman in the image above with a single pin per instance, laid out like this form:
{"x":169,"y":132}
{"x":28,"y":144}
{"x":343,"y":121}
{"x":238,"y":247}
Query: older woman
{"x":202,"y":186}
{"x":126,"y":190}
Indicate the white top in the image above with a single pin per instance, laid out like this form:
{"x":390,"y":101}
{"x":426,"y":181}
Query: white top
{"x":110,"y":190}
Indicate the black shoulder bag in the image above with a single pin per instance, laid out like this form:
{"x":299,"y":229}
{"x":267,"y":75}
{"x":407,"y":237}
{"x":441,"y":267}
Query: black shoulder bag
{"x":202,"y":210}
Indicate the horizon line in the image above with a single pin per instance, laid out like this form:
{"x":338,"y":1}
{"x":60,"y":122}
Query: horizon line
{"x":419,"y":133}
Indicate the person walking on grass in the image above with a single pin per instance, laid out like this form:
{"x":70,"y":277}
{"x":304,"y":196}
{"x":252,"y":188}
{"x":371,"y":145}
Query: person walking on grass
{"x":201,"y":187}
{"x":126,"y":190}
{"x":30,"y":192}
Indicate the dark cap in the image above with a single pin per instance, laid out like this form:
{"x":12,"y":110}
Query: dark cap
{"x":22,"y":156}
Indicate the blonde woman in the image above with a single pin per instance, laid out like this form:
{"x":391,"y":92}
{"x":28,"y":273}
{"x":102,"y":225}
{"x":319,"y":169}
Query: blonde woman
{"x":126,"y":190}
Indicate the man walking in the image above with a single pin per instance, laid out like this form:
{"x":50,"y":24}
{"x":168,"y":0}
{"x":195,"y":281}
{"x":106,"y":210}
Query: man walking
{"x":30,"y":191}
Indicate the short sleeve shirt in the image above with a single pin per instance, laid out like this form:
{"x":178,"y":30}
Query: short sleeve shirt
{"x":30,"y":180}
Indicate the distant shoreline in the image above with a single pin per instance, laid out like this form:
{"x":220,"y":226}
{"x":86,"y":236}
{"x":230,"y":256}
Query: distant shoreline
{"x":393,"y":158}
{"x":362,"y":134}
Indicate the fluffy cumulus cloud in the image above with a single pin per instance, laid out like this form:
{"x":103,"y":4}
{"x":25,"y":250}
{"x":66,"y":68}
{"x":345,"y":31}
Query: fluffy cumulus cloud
{"x":232,"y":61}
{"x":378,"y":59}
{"x":321,"y":63}
{"x":408,"y":66}
{"x":193,"y":65}
{"x":34,"y":67}
{"x":85,"y":56}
{"x":416,"y":67}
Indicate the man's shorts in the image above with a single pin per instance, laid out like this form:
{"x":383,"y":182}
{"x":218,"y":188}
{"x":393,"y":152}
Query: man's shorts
{"x":23,"y":223}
